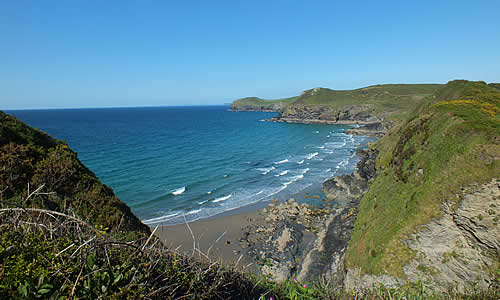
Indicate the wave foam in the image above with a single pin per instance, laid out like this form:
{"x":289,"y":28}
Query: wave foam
{"x":265,"y":171}
{"x":300,"y":162}
{"x":282,"y":173}
{"x":222,"y":198}
{"x":311,"y":155}
{"x":192,"y":212}
{"x":281,"y":162}
{"x":179,"y":191}
{"x":159,"y":219}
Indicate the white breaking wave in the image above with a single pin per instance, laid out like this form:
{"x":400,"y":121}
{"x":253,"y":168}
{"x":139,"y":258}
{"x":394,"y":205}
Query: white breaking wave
{"x":201,"y":202}
{"x":179,"y":191}
{"x":311,"y":155}
{"x":321,"y":147}
{"x":295,"y":178}
{"x":281,"y":162}
{"x":222,"y":198}
{"x":300,"y":162}
{"x":305,"y":171}
{"x":193,"y":212}
{"x":265,"y":171}
{"x":159,"y":219}
{"x":329,"y":170}
{"x":282,"y":173}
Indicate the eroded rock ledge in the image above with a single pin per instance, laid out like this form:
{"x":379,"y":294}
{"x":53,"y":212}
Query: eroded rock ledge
{"x":310,"y":242}
{"x":459,"y":250}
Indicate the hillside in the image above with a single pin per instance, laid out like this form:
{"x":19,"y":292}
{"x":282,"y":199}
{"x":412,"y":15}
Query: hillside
{"x":258,"y":104}
{"x":432,"y":211}
{"x":370,"y":104}
{"x":30,"y":160}
{"x":427,"y":221}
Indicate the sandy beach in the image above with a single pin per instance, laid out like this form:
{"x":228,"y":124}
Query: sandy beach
{"x":215,"y":238}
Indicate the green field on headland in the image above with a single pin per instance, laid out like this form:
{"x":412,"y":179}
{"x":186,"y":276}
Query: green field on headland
{"x":385,"y":99}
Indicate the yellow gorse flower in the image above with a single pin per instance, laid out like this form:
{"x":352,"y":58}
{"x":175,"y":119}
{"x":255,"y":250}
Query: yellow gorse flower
{"x":484,"y":106}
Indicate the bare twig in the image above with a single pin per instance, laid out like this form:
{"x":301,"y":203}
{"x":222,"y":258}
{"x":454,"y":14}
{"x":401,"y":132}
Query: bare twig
{"x":218,"y":239}
{"x":76,"y":282}
{"x":149,"y":238}
{"x":62,"y":251}
{"x":192,"y":235}
{"x":51,"y":213}
{"x":79,"y":247}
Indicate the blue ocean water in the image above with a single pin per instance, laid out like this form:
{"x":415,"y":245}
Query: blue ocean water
{"x":175,"y":163}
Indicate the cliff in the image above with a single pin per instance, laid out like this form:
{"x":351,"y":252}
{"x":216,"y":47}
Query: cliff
{"x":258,"y":104}
{"x":373,"y":107}
{"x":33,"y":161}
{"x":422,"y":205}
{"x":432,"y":212}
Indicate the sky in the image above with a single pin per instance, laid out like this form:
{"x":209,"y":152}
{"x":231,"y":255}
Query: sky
{"x":76,"y":54}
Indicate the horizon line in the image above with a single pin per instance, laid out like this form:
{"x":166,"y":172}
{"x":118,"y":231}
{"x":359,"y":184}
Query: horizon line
{"x":111,"y":107}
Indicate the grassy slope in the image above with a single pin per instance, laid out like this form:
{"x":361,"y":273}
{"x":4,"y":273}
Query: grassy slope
{"x":258,"y":103}
{"x":30,"y":156}
{"x":454,"y":143}
{"x":388,"y":98}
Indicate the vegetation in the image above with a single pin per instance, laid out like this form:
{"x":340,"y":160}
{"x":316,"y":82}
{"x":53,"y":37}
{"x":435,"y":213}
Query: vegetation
{"x":51,"y":255}
{"x":31,"y":160}
{"x":254,"y":103}
{"x":44,"y":254}
{"x":63,"y":234}
{"x":450,"y":141}
{"x":388,"y":99}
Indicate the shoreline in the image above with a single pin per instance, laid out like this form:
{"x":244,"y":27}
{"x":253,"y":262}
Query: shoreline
{"x":216,"y":238}
{"x":318,"y":121}
{"x":225,"y":237}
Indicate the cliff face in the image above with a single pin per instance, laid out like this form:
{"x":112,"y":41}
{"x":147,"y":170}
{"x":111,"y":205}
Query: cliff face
{"x":431,"y":213}
{"x":373,"y":107}
{"x":32,"y":160}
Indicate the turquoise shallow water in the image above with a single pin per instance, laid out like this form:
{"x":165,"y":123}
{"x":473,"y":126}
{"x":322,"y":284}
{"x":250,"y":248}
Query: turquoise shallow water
{"x":174,"y":163}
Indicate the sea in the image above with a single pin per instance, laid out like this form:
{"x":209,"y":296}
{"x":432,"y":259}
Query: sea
{"x":178,"y":164}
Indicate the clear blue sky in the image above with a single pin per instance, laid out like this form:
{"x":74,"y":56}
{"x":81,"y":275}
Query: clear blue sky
{"x":58,"y":54}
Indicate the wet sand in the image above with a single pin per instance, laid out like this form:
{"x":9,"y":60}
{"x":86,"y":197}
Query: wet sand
{"x":216,"y":238}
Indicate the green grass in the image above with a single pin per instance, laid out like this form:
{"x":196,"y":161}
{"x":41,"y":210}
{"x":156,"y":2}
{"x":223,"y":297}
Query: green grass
{"x":449,"y":141}
{"x":257,"y":103}
{"x":390,"y":99}
{"x":67,"y":258}
{"x":31,"y":157}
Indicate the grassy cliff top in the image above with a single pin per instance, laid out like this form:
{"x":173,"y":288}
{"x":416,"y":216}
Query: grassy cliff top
{"x":255,"y":103}
{"x":387,"y":98}
{"x":450,"y":141}
{"x":31,"y":159}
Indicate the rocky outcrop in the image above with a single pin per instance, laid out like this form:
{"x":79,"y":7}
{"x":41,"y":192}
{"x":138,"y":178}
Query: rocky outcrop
{"x":278,"y":244}
{"x":348,"y":189}
{"x":373,"y":129}
{"x":297,"y":238}
{"x":324,"y":257}
{"x":459,"y":250}
{"x":265,"y":108}
{"x":361,"y":114}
